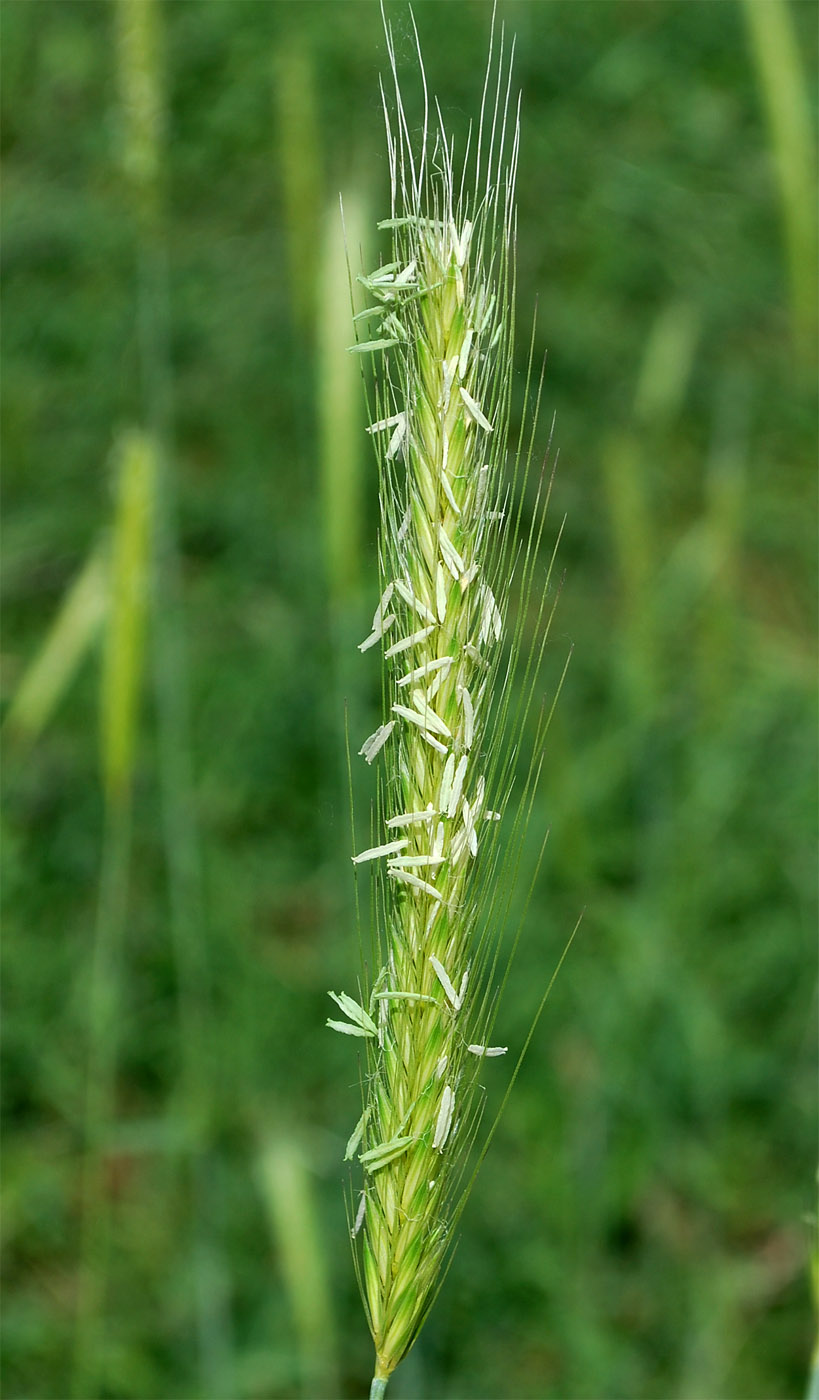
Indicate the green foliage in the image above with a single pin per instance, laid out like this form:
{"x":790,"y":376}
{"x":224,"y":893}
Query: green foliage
{"x":638,"y":1228}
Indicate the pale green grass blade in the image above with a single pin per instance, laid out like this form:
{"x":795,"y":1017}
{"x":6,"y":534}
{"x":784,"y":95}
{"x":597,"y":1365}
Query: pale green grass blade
{"x":141,"y":80}
{"x":122,"y":684}
{"x":787,"y":108}
{"x":125,"y":633}
{"x":341,"y":487}
{"x":72,"y":635}
{"x":633,"y":537}
{"x":667,"y":364}
{"x":141,"y":108}
{"x":137,"y":40}
{"x":300,"y":164}
{"x":289,"y":1197}
{"x":340,"y":412}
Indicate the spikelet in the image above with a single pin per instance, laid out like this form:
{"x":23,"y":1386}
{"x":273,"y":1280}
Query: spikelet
{"x":440,"y":336}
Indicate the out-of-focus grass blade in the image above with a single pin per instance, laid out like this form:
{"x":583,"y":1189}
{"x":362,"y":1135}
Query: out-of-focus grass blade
{"x":121,"y":685}
{"x":72,"y":634}
{"x":699,"y":577}
{"x":294,"y":87}
{"x":633,"y":541}
{"x":784,"y":92}
{"x":660,"y":393}
{"x":667,"y":361}
{"x":289,"y":1199}
{"x":341,"y":485}
{"x":340,"y":414}
{"x":142,"y":27}
{"x":141,"y":112}
{"x":130,"y":578}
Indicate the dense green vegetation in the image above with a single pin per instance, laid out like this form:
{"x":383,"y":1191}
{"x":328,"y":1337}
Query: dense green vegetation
{"x":641,"y":1226}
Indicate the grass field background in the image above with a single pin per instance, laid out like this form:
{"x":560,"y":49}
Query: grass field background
{"x":179,"y":410}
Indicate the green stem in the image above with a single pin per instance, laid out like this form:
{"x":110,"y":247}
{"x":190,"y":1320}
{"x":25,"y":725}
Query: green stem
{"x":378,"y":1388}
{"x":171,"y":685}
{"x":103,"y":1013}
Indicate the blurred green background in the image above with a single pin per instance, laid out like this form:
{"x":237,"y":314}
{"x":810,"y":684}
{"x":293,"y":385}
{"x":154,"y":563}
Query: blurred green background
{"x":189,"y":559}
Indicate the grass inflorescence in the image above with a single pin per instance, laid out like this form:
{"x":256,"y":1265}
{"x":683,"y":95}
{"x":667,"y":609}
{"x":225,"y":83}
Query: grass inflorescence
{"x":458,"y":682}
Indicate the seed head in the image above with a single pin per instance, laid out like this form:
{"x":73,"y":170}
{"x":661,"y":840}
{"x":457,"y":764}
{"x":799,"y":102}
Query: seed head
{"x":439,"y":335}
